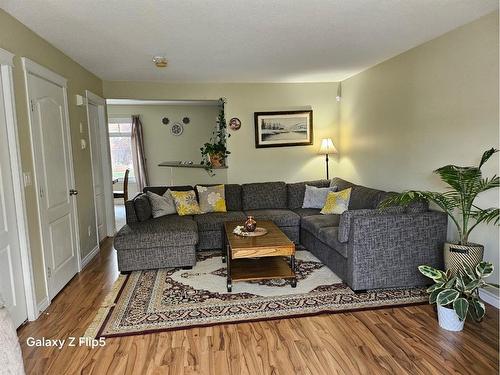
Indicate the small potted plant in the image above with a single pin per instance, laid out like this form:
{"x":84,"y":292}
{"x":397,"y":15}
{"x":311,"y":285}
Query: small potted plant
{"x":465,"y":184}
{"x":214,"y":153}
{"x":457,"y":296}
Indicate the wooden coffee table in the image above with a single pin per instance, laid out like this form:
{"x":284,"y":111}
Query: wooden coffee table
{"x":258,"y":258}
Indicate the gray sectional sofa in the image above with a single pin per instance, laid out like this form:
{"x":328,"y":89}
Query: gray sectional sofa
{"x":369,"y":248}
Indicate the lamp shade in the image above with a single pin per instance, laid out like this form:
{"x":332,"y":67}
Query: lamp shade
{"x":327,"y":147}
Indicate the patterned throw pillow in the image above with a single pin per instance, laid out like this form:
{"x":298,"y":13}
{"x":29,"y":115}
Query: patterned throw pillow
{"x":337,"y":202}
{"x":186,"y":203}
{"x":161,"y":205}
{"x":315,"y":197}
{"x":212,"y":198}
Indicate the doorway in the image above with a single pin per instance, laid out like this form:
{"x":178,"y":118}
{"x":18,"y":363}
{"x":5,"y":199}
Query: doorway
{"x":16,"y":284}
{"x":101,"y":166}
{"x":54,"y":179}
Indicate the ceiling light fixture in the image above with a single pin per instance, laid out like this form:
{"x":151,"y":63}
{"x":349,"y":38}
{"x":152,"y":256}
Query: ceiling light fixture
{"x":160,"y":61}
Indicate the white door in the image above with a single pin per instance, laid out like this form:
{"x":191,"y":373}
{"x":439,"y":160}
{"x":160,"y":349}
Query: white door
{"x":11,"y":272}
{"x":100,"y":201}
{"x":54,"y":180}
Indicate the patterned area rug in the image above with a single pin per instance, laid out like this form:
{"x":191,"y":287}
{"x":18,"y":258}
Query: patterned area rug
{"x":159,"y":300}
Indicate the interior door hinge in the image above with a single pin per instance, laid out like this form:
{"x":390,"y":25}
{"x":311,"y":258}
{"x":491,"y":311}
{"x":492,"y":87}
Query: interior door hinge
{"x":41,"y":192}
{"x":49,"y":272}
{"x":32,"y":105}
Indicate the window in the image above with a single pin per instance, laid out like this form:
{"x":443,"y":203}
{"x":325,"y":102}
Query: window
{"x":121,"y":148}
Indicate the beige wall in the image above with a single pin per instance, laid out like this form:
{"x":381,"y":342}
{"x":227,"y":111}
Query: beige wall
{"x":247,"y":163}
{"x":160,"y":145}
{"x":21,"y":41}
{"x":430,"y":106}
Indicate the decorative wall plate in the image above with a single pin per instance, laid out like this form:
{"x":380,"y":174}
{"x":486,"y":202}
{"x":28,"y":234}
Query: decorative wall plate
{"x":177,"y":129}
{"x":165,"y":120}
{"x":234,"y":123}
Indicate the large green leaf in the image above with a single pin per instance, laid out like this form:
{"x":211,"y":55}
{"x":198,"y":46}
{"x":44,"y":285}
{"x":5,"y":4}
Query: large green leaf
{"x":433,"y":296}
{"x":430,"y":272}
{"x":450,"y":283}
{"x":486,"y":155}
{"x":484,"y":269}
{"x":478,"y":309}
{"x":473,"y":285}
{"x":469,"y":271}
{"x":461,"y":305}
{"x":459,"y":178}
{"x":447,"y":296}
{"x":460,"y":285}
{"x":432,"y":288}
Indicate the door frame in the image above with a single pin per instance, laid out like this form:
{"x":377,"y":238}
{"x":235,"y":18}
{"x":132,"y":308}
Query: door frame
{"x":6,"y":65}
{"x":103,"y":143}
{"x":31,"y":67}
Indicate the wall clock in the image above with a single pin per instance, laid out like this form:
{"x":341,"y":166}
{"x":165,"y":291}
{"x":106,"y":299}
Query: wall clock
{"x":177,"y":129}
{"x":234,"y":123}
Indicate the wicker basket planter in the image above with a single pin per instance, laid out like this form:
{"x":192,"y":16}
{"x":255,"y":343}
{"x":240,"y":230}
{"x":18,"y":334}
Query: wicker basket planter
{"x":455,"y":254}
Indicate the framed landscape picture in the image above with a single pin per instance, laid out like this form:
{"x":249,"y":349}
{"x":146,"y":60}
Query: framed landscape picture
{"x":283,"y":128}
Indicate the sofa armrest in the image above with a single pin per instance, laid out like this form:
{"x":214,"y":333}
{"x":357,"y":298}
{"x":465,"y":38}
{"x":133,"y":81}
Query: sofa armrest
{"x":348,"y":216}
{"x":130,"y":215}
{"x":385,"y":250}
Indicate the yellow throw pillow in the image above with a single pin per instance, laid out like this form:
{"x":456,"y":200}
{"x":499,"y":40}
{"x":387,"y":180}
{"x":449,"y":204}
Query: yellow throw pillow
{"x":337,"y":202}
{"x":212,"y":198}
{"x":185,"y":202}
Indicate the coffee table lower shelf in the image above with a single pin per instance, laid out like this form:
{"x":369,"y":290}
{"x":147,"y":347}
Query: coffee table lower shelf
{"x":265,"y":268}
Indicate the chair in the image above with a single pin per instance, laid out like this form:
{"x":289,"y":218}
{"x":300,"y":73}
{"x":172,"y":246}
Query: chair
{"x":123,"y":194}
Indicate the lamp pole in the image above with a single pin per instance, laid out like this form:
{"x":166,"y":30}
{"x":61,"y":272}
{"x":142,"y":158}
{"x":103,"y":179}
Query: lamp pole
{"x":327,"y":176}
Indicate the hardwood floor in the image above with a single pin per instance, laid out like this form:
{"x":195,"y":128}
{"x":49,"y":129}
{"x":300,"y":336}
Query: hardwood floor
{"x":387,"y":341}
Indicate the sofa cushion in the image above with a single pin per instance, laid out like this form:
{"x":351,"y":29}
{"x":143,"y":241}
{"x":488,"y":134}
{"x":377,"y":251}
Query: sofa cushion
{"x":314,"y":223}
{"x":341,"y":184}
{"x":232,"y":194}
{"x":214,"y":220}
{"x":329,"y":236}
{"x":163,"y":231}
{"x":160,"y":190}
{"x":417,"y":207}
{"x":315,"y":197}
{"x":264,"y":195}
{"x":303,"y":212}
{"x":282,"y":218}
{"x":161,"y":205}
{"x":211,"y":198}
{"x":363,"y":197}
{"x":142,"y":207}
{"x":295,"y":192}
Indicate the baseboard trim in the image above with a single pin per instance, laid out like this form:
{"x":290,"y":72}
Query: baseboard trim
{"x":42,"y":306}
{"x":90,"y":256}
{"x":490,"y":298}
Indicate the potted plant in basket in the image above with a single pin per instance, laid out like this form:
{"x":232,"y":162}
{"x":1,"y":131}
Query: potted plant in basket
{"x":457,"y":296}
{"x":465,"y":184}
{"x":215,"y":152}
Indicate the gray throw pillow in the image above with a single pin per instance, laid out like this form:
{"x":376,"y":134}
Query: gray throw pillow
{"x":161,"y":205}
{"x":142,"y":207}
{"x":316,"y":197}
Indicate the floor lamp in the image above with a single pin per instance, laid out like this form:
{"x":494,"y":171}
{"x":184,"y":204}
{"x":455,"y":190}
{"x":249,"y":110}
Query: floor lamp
{"x":326,"y":149}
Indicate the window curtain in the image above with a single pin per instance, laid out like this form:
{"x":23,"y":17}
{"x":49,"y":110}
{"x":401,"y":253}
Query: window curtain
{"x":138,"y":155}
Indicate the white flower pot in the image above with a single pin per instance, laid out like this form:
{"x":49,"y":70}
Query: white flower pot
{"x":448,"y":319}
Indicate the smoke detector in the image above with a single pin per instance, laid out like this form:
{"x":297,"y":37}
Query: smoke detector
{"x":160,"y":61}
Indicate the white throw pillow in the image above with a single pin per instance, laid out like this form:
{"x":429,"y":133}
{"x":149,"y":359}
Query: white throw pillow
{"x":161,"y":205}
{"x":316,"y":197}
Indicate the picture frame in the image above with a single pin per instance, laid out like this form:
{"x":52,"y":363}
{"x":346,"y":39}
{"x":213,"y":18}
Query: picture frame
{"x":283,"y":128}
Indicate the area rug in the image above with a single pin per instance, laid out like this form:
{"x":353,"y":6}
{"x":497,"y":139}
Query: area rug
{"x":159,"y":300}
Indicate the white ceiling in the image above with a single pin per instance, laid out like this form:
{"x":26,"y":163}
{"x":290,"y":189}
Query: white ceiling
{"x":240,"y":40}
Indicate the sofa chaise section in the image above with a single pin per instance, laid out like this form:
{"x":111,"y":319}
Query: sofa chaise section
{"x":168,"y":241}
